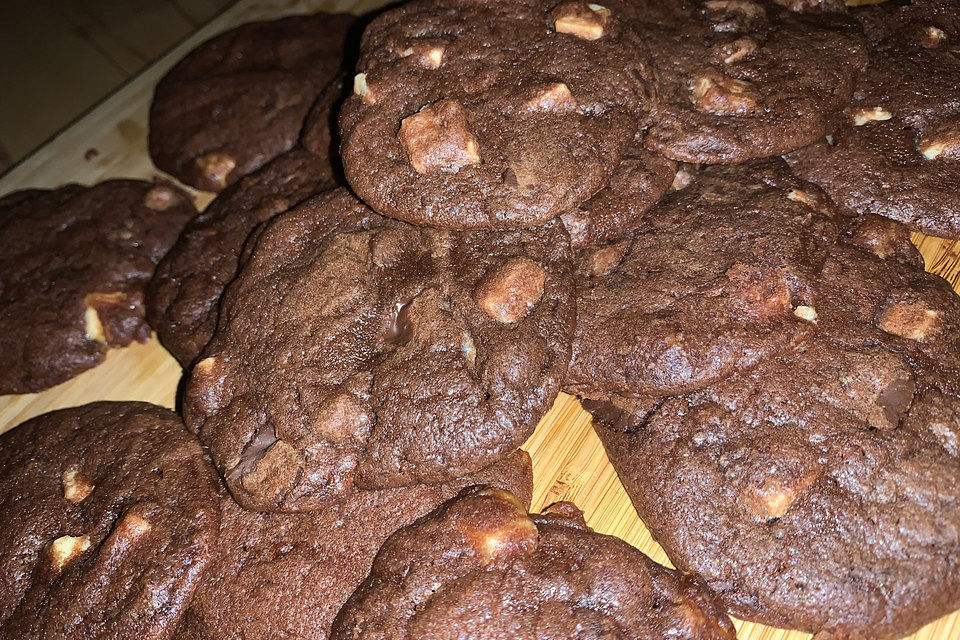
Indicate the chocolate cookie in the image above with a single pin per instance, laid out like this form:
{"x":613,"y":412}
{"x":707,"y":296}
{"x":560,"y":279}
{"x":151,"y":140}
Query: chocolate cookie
{"x":479,"y":567}
{"x":239,"y":99}
{"x":883,"y":237}
{"x":358,"y":350}
{"x":183,"y":297}
{"x":471,"y":115}
{"x":638,"y":183}
{"x":898,"y":152}
{"x":74,"y":263}
{"x":742,"y":79}
{"x":109,"y":517}
{"x":279,"y":576}
{"x":321,"y":133}
{"x":820,"y":491}
{"x":714,"y":280}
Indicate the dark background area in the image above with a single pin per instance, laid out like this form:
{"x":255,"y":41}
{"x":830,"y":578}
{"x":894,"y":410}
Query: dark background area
{"x":60,"y":57}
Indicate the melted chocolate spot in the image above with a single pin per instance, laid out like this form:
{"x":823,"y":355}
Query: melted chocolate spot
{"x":254,"y":452}
{"x":896,"y":399}
{"x":401,"y":329}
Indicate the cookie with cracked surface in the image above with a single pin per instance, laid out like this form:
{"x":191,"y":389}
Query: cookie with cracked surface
{"x":638,"y":183}
{"x":239,"y":100}
{"x":480,"y":567}
{"x":896,"y":304}
{"x":74,"y":263}
{"x":300,"y":568}
{"x":898,"y":152}
{"x":471,"y":115}
{"x":183,"y":296}
{"x":712,"y":282}
{"x":356,"y":350}
{"x":110,"y":516}
{"x":742,"y":79}
{"x":818,"y":491}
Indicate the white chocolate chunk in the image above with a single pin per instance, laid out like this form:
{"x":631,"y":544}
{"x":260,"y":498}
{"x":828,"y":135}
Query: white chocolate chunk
{"x":64,"y":549}
{"x":872,"y":114}
{"x":806,"y":313}
{"x":75,"y":489}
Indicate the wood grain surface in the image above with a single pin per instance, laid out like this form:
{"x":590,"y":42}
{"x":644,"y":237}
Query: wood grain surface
{"x":569,"y":462}
{"x":58,"y":58}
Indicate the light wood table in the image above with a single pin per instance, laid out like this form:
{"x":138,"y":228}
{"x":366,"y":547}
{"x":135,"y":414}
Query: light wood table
{"x":569,"y":462}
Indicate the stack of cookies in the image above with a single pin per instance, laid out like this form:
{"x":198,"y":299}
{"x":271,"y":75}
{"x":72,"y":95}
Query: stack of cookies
{"x":694,"y":215}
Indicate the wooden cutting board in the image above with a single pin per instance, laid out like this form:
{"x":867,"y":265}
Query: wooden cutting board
{"x":569,"y":462}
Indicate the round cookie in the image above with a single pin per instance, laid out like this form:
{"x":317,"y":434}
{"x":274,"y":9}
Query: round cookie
{"x":471,"y":115}
{"x":183,"y":295}
{"x":240,"y":99}
{"x":820,"y":490}
{"x":480,"y":567}
{"x":714,"y":280}
{"x":74,"y":263}
{"x":742,"y":79}
{"x":279,"y":576}
{"x":898,"y":152}
{"x":638,"y":183}
{"x":355,"y":350}
{"x":109,"y":519}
